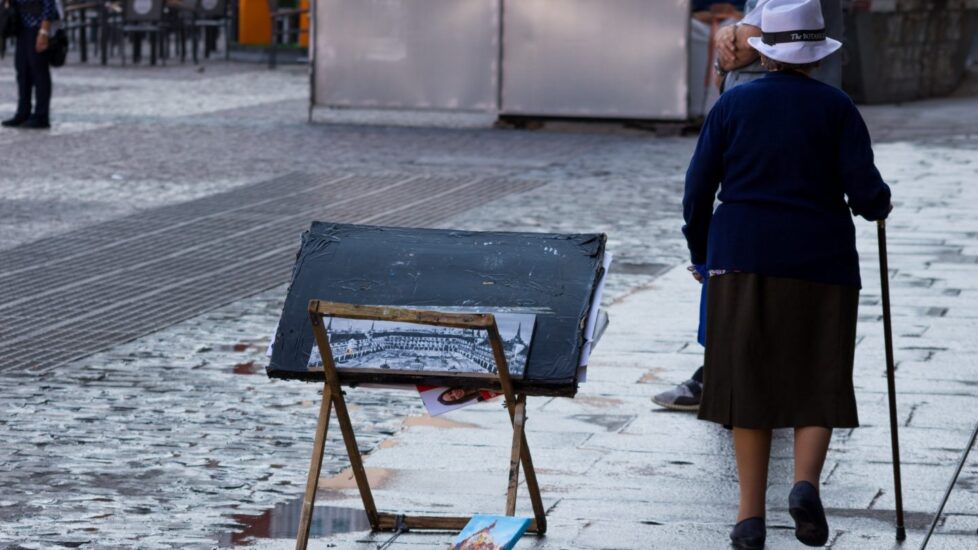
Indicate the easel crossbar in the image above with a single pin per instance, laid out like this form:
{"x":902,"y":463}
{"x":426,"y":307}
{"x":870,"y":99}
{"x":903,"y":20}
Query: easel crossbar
{"x":333,"y":399}
{"x":403,"y":315}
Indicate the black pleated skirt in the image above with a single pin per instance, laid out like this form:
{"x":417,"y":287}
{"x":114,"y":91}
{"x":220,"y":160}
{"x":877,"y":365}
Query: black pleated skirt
{"x":779,"y":353}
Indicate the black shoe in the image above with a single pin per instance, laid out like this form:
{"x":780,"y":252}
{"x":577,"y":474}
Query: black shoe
{"x":805,"y":507}
{"x":749,"y":534}
{"x":14,"y":122}
{"x":36,"y":124}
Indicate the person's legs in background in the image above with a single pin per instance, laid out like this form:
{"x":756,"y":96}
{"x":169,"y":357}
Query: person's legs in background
{"x":40,"y":72}
{"x":24,"y":82}
{"x":686,"y":396}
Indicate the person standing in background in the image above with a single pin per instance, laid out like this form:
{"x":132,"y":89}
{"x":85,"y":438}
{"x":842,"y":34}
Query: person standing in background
{"x":738,"y":63}
{"x":31,"y":63}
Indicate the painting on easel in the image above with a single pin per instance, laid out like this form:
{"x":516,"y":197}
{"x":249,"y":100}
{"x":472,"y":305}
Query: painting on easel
{"x":554,"y":277}
{"x":388,"y":345}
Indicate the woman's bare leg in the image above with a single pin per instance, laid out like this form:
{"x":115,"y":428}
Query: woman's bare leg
{"x":811,"y":444}
{"x":753,"y":451}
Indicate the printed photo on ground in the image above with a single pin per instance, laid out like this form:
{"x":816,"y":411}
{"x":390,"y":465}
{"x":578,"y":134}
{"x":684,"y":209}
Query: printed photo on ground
{"x":441,"y":399}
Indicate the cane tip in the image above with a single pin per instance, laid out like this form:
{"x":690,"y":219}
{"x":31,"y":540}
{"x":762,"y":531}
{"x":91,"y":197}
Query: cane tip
{"x":901,"y":534}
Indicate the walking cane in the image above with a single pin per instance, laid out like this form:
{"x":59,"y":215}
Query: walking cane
{"x":901,"y":532}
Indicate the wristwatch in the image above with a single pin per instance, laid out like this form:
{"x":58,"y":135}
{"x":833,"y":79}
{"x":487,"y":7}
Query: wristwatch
{"x":719,"y":70}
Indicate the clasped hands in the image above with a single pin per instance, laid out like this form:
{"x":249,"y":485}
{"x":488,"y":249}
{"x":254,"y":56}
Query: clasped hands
{"x":732,"y":49}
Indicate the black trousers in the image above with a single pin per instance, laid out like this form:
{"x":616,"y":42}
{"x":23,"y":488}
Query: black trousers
{"x":33,"y":76}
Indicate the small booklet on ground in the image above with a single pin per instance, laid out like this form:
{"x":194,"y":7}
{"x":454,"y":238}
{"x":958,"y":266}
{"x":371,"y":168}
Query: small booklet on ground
{"x":491,"y":533}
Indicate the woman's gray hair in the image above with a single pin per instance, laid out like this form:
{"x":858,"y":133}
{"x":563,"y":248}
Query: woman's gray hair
{"x":774,"y":65}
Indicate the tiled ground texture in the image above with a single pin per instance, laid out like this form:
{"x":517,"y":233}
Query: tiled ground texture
{"x":113,"y":281}
{"x":157,"y":443}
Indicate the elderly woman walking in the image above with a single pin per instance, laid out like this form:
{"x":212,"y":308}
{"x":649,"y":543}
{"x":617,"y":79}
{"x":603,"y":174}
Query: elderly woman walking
{"x":31,"y":62}
{"x":786,"y":152}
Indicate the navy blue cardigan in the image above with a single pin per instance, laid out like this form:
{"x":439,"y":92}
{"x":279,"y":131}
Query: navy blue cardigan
{"x":785,"y":151}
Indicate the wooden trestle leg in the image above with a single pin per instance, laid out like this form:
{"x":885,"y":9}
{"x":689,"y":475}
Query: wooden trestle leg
{"x":349,"y":438}
{"x":532,"y":487}
{"x":315,"y":466}
{"x":513,"y":405}
{"x":514,"y":459}
{"x":343,"y":419}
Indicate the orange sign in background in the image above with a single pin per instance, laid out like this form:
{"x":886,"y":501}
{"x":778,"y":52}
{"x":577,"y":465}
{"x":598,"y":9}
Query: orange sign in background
{"x":255,"y":25}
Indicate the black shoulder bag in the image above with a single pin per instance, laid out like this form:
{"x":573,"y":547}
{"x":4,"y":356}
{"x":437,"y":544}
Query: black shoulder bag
{"x":57,"y":50}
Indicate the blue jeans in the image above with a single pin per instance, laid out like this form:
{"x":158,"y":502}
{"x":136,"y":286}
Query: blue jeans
{"x":701,"y":332}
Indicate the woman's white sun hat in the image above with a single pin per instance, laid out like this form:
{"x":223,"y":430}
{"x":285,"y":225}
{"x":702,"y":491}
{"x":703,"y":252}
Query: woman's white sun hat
{"x":793,"y":31}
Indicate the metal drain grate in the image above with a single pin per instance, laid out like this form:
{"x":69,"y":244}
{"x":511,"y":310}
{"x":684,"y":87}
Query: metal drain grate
{"x":65,"y":297}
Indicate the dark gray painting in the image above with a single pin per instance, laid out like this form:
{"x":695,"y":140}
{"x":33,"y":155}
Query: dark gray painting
{"x":553,"y":275}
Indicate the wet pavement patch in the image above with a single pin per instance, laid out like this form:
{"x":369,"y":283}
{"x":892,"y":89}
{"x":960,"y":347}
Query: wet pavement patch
{"x":636,"y":268}
{"x":912,"y":520}
{"x":248,"y":367}
{"x":610,"y":422}
{"x":282,"y":522}
{"x":241,"y":347}
{"x":651,"y":376}
{"x":600,"y":402}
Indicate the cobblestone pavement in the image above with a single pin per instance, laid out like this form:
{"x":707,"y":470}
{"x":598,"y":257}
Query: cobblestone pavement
{"x":177,"y":439}
{"x":151,"y":269}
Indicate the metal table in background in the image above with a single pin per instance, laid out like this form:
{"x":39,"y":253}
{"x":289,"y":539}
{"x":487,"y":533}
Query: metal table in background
{"x":573,"y":58}
{"x":406,"y":54}
{"x":595,"y":58}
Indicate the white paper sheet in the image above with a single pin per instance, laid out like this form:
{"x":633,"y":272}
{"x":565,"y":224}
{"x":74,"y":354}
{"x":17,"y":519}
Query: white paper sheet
{"x":592,"y":319}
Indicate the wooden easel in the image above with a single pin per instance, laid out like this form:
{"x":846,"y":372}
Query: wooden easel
{"x":333,"y":398}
